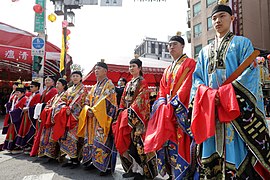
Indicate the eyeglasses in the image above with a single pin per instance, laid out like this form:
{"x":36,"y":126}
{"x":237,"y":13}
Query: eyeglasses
{"x":32,"y":86}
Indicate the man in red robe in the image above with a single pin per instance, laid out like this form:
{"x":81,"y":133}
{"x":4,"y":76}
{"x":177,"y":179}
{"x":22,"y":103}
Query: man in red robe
{"x":166,"y":133}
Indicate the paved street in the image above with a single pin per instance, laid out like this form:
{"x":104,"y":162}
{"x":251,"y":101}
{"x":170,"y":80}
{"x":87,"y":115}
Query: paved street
{"x":18,"y":167}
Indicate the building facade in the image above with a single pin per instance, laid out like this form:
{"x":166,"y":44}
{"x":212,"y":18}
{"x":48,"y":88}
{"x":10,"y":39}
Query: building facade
{"x":252,"y":20}
{"x":152,"y":48}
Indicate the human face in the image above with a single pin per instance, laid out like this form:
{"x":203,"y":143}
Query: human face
{"x":134,"y":70}
{"x":121,"y":83}
{"x":49,"y":82}
{"x":100,"y":72}
{"x":222,"y":22}
{"x":19,"y":94}
{"x":175,"y":49}
{"x":76,"y":78}
{"x":33,"y":88}
{"x":59,"y":86}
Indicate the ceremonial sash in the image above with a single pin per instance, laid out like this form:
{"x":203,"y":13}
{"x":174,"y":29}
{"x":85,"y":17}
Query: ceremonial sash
{"x":242,"y":67}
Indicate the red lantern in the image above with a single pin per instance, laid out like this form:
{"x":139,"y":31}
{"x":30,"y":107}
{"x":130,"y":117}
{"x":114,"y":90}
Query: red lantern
{"x":68,"y":32}
{"x":268,"y":56}
{"x":38,"y":8}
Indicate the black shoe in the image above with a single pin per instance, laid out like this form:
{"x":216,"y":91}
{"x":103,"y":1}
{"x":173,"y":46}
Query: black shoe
{"x":88,"y":166}
{"x":128,"y":174}
{"x":75,"y":165}
{"x":49,"y":160}
{"x":106,"y":173}
{"x":170,"y":177}
{"x":138,"y":176}
{"x":67,"y":164}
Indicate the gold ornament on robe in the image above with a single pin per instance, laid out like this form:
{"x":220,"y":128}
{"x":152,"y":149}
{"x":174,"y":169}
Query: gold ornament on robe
{"x":223,"y":2}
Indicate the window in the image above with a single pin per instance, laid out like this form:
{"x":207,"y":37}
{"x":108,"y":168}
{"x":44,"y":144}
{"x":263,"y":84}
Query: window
{"x":210,"y":2}
{"x":197,"y":50}
{"x":159,"y":48}
{"x":209,"y":23}
{"x":153,"y":48}
{"x":142,"y":48}
{"x":196,"y":9}
{"x":166,"y":47}
{"x":197,"y":30}
{"x":210,"y":40}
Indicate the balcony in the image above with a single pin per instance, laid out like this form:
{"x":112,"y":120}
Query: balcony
{"x":188,"y":18}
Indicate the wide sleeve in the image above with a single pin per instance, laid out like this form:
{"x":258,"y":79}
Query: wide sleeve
{"x":198,"y":74}
{"x":163,"y":84}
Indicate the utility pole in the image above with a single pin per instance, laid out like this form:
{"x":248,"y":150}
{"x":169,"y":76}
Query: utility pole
{"x":39,"y":43}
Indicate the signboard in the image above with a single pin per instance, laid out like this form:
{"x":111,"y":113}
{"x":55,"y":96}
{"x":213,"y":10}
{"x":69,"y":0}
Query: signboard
{"x":38,"y":46}
{"x":89,"y":2}
{"x":110,"y":2}
{"x":40,"y":18}
{"x":15,"y":54}
{"x":80,"y":2}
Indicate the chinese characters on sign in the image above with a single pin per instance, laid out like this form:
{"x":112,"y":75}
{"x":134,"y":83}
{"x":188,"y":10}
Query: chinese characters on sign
{"x":16,"y":55}
{"x":38,"y":46}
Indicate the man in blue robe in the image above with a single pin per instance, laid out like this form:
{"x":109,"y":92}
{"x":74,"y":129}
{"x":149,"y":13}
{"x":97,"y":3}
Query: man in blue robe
{"x":238,"y":148}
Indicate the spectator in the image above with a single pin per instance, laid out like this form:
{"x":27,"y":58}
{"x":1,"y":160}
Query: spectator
{"x":120,"y":89}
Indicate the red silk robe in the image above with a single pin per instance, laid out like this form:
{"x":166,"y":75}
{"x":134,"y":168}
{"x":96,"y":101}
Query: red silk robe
{"x":27,"y":128}
{"x":121,"y":127}
{"x":45,"y":97}
{"x":163,"y":125}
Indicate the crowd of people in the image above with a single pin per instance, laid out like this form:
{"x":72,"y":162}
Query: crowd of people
{"x":200,"y":127}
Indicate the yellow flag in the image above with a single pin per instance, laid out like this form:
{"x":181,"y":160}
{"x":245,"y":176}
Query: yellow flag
{"x":62,"y":56}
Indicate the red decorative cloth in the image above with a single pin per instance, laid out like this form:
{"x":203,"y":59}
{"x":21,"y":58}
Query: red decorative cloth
{"x":162,"y":125}
{"x":203,"y":124}
{"x":161,"y":129}
{"x":122,"y":131}
{"x":60,"y":124}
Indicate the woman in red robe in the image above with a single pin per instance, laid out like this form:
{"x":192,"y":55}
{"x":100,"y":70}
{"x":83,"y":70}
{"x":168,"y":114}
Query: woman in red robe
{"x":70,"y":143}
{"x":54,"y":123}
{"x":47,"y":94}
{"x":27,"y":129}
{"x":130,"y":126}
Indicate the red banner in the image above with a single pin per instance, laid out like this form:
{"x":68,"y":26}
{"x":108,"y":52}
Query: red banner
{"x":15,"y":54}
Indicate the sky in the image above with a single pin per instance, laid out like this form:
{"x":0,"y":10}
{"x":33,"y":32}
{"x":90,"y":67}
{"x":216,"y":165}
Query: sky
{"x":104,"y":32}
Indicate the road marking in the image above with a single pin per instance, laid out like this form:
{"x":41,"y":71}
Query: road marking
{"x":47,"y":176}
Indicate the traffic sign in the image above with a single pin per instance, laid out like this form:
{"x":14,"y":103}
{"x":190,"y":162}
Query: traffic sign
{"x":38,"y":46}
{"x":40,"y":18}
